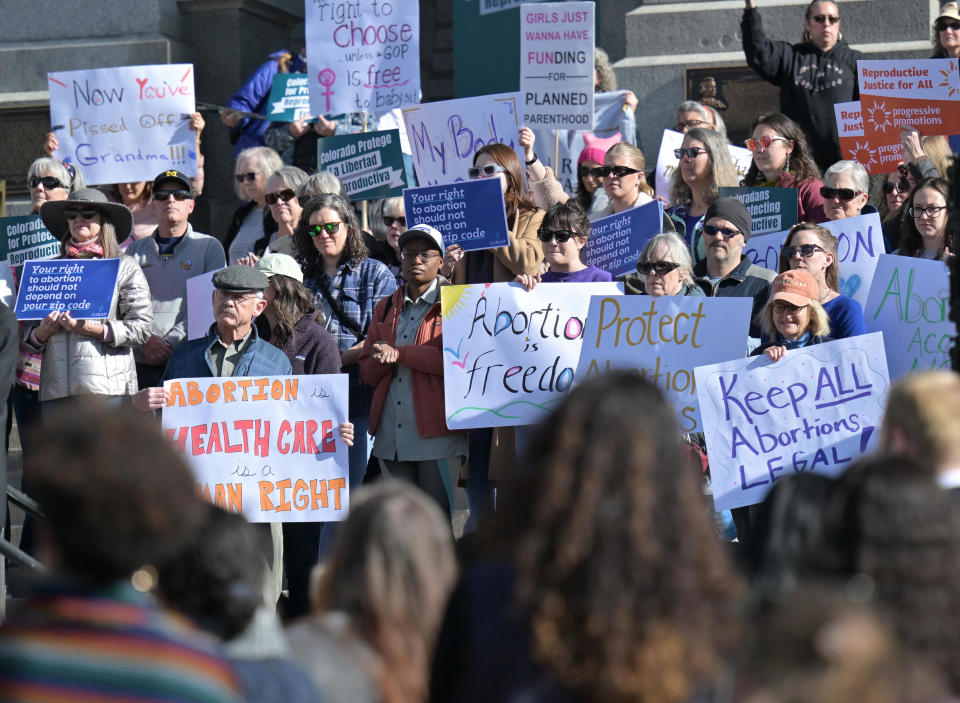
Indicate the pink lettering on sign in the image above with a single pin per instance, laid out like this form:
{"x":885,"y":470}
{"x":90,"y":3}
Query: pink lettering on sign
{"x":156,"y":92}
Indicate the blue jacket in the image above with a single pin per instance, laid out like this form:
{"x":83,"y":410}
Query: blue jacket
{"x":192,"y":359}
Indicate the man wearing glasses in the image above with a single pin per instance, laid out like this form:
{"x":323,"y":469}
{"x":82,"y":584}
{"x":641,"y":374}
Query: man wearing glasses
{"x":168,"y":258}
{"x":812,"y":75}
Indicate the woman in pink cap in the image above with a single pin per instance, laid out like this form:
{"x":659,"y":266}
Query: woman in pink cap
{"x":793,"y":316}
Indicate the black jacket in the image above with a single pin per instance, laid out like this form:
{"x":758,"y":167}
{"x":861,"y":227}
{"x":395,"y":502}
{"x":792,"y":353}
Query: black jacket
{"x":810,"y":82}
{"x":239,"y":215}
{"x":746,"y":281}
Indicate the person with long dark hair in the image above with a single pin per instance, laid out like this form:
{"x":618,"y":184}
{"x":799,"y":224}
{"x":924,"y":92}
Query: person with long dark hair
{"x":924,"y":224}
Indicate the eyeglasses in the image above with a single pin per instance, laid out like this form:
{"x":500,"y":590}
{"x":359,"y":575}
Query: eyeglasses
{"x":661,"y":268}
{"x":763,"y":143}
{"x":177,"y":194}
{"x":691,"y":152}
{"x":249,"y":176}
{"x":845,"y":194}
{"x":325,"y":228}
{"x":425,"y":255}
{"x":715,"y":231}
{"x":944,"y":26}
{"x":903,"y":170}
{"x":594,"y":172}
{"x":889,"y":186}
{"x":617,"y":171}
{"x":48,"y":182}
{"x":485,"y":171}
{"x":561,"y":235}
{"x":826,"y":19}
{"x":806,"y":250}
{"x":930,"y":211}
{"x":286,"y":195}
{"x":87,"y":213}
{"x":782,"y":308}
{"x":689,"y":124}
{"x":391,"y":221}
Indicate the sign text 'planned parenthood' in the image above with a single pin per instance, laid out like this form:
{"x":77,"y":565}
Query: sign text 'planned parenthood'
{"x":470,"y":214}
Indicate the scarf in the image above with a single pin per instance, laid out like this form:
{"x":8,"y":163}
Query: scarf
{"x":89,"y":250}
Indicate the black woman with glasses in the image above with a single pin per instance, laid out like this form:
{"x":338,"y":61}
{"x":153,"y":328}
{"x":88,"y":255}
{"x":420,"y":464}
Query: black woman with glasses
{"x":623,"y":179}
{"x":924,"y":224}
{"x":813,"y":249}
{"x":946,"y":33}
{"x":664,"y":268}
{"x":812,"y":74}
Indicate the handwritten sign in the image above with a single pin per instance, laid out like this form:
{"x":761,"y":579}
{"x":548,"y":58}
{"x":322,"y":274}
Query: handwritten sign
{"x":84,"y":287}
{"x":616,"y":241}
{"x":200,"y":305}
{"x":126,"y":123}
{"x":445,"y":135}
{"x":664,"y":338}
{"x":814,"y":410}
{"x":289,"y":97}
{"x":509,"y":355}
{"x":369,"y":164}
{"x":25,"y":238}
{"x":364,"y":54}
{"x":471,"y":214}
{"x":920,"y":93}
{"x":855,"y":146}
{"x":556,"y":64}
{"x":771,"y":209}
{"x":264,"y":446}
{"x":667,"y":163}
{"x":909,"y":302}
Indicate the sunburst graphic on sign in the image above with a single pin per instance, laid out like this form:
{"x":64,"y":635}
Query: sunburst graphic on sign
{"x":453,"y":299}
{"x":877,"y":116}
{"x":862,"y":153}
{"x":950,"y":80}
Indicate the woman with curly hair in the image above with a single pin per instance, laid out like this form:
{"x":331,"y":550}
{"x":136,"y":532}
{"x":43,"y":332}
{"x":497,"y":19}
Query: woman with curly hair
{"x":611,"y":585}
{"x":924,"y":224}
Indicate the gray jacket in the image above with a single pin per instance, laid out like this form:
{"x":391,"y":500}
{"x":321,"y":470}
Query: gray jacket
{"x":74,"y":364}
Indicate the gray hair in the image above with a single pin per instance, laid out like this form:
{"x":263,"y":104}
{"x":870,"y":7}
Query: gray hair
{"x":377,"y":226}
{"x":676,"y":249}
{"x":856,"y":170}
{"x":318,"y":184}
{"x":708,"y":114}
{"x":290,"y":176}
{"x":606,"y":79}
{"x":56,"y":168}
{"x":267,"y":161}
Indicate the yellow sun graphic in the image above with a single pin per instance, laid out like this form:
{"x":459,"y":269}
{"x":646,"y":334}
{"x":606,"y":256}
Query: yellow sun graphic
{"x":947,"y":81}
{"x":453,"y":299}
{"x":877,"y":115}
{"x":863,"y":154}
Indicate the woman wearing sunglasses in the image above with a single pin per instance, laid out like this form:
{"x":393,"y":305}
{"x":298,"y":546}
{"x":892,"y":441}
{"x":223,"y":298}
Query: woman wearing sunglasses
{"x":251,"y":221}
{"x":946,"y":33}
{"x":388,"y":220}
{"x":623,"y":179}
{"x":792,"y":317}
{"x":781,"y":158}
{"x":924,"y":224}
{"x":82,"y":357}
{"x":285,"y":208}
{"x":664,"y":268}
{"x":812,"y":248}
{"x":845,"y":190}
{"x":812,"y":75}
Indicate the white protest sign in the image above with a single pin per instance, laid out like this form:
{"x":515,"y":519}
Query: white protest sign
{"x":268,"y":447}
{"x":664,"y":338}
{"x":365,"y":55}
{"x":909,"y":302}
{"x":508,"y":354}
{"x":816,"y":409}
{"x":200,"y":304}
{"x":667,"y":162}
{"x":556,"y":65}
{"x":126,"y":123}
{"x":444,"y":135}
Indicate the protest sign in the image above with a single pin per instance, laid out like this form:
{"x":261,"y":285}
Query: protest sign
{"x":444,"y":135}
{"x":667,"y":163}
{"x":200,"y":304}
{"x":289,"y":97}
{"x":664,"y":338}
{"x":855,"y":146}
{"x":556,"y":65}
{"x":471,"y":214}
{"x":268,"y":447}
{"x":816,"y":410}
{"x":368,"y":53}
{"x":369,"y":164}
{"x":909,"y":302}
{"x":126,"y":123}
{"x":490,"y":6}
{"x":509,"y":354}
{"x":920,"y":93}
{"x":84,"y":287}
{"x":25,"y":238}
{"x":771,"y":209}
{"x":616,"y":241}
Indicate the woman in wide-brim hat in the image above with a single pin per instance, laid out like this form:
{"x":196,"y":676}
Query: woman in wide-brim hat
{"x":84,"y":357}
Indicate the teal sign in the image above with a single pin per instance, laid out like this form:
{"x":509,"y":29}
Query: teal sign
{"x":369,"y":164}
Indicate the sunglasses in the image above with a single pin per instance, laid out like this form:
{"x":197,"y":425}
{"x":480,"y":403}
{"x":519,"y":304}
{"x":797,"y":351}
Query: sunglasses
{"x":930,"y":211}
{"x":691,"y":152}
{"x":249,"y":176}
{"x":561,"y":235}
{"x":944,"y":26}
{"x":326,"y":228}
{"x":391,"y":221}
{"x":902,"y":186}
{"x":661,"y":268}
{"x":177,"y":194}
{"x":87,"y":213}
{"x":48,"y":182}
{"x":806,"y":250}
{"x":689,"y":124}
{"x":713,"y":231}
{"x":826,"y":19}
{"x":782,"y":308}
{"x":616,"y":171}
{"x":595,"y":171}
{"x":286,"y":195}
{"x":903,"y":170}
{"x":424,"y":255}
{"x":845,"y":194}
{"x":485,"y":171}
{"x":763,"y":143}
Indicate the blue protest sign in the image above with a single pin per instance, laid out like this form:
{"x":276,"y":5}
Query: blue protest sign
{"x":616,"y":241}
{"x":85,"y":287}
{"x":369,"y":164}
{"x":289,"y":97}
{"x":471,"y":214}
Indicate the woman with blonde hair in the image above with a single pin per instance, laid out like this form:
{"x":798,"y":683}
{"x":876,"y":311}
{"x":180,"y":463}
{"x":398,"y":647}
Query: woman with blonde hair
{"x":624,"y":180}
{"x":792,"y":317}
